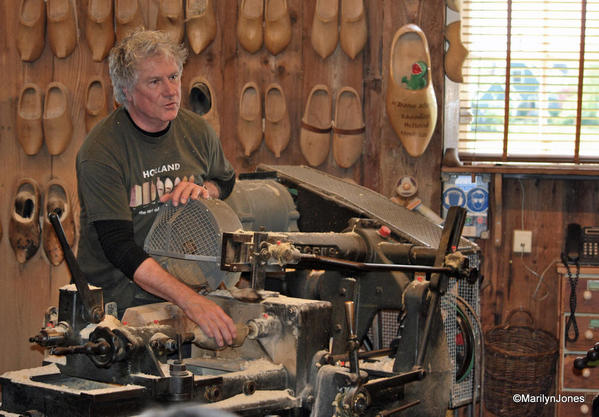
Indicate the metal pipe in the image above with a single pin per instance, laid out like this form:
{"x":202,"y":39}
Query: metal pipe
{"x":329,"y":263}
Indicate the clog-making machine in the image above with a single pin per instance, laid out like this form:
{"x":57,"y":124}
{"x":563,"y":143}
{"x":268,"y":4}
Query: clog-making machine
{"x":303,"y":262}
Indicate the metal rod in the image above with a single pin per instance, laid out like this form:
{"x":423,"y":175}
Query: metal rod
{"x":366,"y":266}
{"x":427,"y":328}
{"x":386,"y":413}
{"x":395,"y":380}
{"x":362,"y":355}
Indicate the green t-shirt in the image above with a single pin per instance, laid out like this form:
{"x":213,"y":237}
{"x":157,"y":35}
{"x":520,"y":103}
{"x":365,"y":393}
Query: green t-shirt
{"x":121,"y":174}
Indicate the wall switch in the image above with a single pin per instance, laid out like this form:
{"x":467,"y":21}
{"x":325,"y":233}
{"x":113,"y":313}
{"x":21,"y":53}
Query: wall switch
{"x":522,"y":241}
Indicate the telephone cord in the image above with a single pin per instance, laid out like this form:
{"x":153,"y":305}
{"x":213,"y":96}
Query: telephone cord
{"x":571,"y":322}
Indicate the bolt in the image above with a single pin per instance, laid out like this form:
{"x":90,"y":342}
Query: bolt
{"x":379,"y":290}
{"x":249,"y":387}
{"x":342,"y":291}
{"x":338,"y":328}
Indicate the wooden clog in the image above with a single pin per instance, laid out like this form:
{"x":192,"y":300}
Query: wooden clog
{"x":201,"y":24}
{"x":62,"y":27}
{"x":29,"y":119}
{"x":24,"y":230}
{"x":411,"y":102}
{"x":58,"y":127}
{"x":95,"y":103}
{"x":57,"y":201}
{"x":315,"y":134}
{"x":128,"y":17}
{"x":324,"y":34}
{"x":31,"y":31}
{"x":455,"y":5}
{"x":348,"y":128}
{"x":99,"y":28}
{"x":353,"y":32}
{"x":249,"y":25}
{"x":277,"y":129}
{"x":171,"y":19}
{"x":456,"y":53}
{"x":277,"y":26}
{"x":203,"y":102}
{"x":249,"y":121}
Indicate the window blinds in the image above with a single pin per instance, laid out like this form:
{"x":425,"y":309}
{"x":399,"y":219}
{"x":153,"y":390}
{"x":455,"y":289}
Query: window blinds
{"x":531,"y":81}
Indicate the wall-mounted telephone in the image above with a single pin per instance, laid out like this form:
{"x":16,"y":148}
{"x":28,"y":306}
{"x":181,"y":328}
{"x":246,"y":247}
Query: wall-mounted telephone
{"x":573,"y":245}
{"x":582,"y":245}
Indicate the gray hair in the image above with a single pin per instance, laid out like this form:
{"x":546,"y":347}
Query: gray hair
{"x":141,"y":44}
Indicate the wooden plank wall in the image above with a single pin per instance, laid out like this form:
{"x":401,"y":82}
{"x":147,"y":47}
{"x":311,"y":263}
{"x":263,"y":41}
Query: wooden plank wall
{"x":27,"y":290}
{"x":546,"y":206}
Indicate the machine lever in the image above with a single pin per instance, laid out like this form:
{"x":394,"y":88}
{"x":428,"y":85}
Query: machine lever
{"x":94,"y":313}
{"x":450,"y":237}
{"x":352,"y":342}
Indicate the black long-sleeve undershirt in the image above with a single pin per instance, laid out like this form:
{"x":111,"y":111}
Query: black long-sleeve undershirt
{"x":116,"y":238}
{"x":225,"y":187}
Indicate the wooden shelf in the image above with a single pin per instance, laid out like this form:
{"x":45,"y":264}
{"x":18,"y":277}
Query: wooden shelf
{"x":586,"y":171}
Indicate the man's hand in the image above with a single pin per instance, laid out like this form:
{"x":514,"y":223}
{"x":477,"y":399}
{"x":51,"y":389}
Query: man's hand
{"x":213,"y":321}
{"x":186,"y":190}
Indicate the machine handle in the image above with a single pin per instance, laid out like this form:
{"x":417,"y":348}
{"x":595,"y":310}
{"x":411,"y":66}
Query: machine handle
{"x":352,"y":339}
{"x":94,"y":312}
{"x":350,"y":316}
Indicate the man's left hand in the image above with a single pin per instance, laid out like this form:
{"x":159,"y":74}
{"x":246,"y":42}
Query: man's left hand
{"x":185,"y":190}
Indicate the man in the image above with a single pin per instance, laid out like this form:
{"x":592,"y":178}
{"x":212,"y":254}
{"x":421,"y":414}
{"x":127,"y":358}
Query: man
{"x":122,"y":168}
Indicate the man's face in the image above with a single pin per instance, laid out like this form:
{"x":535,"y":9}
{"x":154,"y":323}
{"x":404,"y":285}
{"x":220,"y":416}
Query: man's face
{"x":156,"y":96}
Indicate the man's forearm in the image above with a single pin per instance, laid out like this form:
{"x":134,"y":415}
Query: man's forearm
{"x":154,"y":279}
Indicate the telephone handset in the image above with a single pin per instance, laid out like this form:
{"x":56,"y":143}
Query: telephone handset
{"x":573,"y":246}
{"x":571,"y":255}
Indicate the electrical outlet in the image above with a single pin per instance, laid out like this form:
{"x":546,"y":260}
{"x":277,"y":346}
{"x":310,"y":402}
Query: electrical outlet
{"x":522,"y":241}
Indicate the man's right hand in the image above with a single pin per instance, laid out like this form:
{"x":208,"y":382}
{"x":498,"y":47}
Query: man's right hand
{"x":213,"y":321}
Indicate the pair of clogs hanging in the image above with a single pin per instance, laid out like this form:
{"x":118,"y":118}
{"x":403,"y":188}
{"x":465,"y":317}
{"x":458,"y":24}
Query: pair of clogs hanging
{"x":352,"y":31}
{"x":348,"y":127}
{"x":50,"y":123}
{"x":61,"y":20}
{"x":276,"y":126}
{"x":25,"y":231}
{"x":264,"y":21}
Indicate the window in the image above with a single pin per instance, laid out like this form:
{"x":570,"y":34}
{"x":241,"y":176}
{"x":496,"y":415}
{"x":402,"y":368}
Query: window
{"x":531,"y":81}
